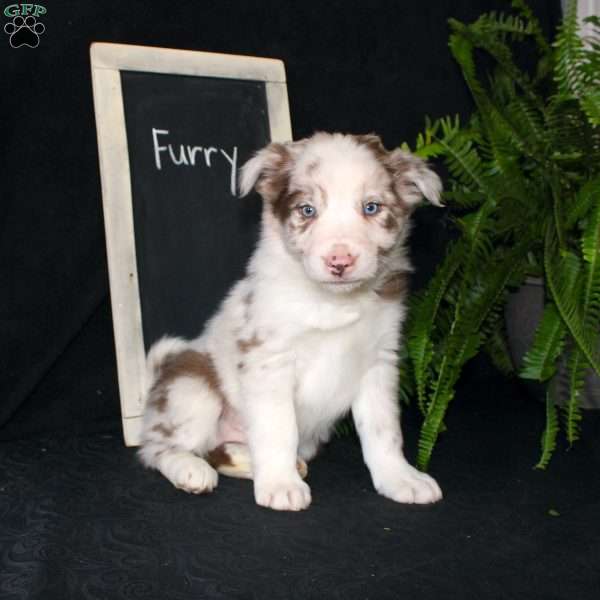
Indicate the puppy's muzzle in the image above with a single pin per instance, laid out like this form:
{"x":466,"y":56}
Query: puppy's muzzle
{"x":340,"y":261}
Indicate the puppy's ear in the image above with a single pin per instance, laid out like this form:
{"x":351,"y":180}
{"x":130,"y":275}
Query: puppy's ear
{"x":413,"y":179}
{"x":267,"y":171}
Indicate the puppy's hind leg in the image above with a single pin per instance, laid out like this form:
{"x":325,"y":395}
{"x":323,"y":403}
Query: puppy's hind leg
{"x":233,"y":460}
{"x":180,"y":428}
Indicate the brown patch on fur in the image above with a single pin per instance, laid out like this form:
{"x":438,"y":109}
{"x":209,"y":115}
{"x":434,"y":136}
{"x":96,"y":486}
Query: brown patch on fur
{"x":188,"y":363}
{"x":301,"y":227}
{"x":218,"y":457}
{"x":373,"y":143}
{"x":273,"y":182}
{"x":246,"y":345}
{"x":399,"y":208}
{"x":405,"y":169}
{"x":294,"y":201}
{"x":240,"y":365}
{"x":159,"y":402}
{"x":286,"y":204}
{"x":279,"y":158}
{"x":394,"y":287}
{"x":397,"y":163}
{"x":390,"y":223}
{"x":163,"y":430}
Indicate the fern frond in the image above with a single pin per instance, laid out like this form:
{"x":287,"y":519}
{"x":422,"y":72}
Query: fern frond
{"x":568,"y":132}
{"x":586,"y":197}
{"x":462,"y":50}
{"x":426,"y":147}
{"x":540,"y":360}
{"x":505,"y":147}
{"x":534,"y":25}
{"x":569,"y":53}
{"x":562,"y":277}
{"x":577,"y":367}
{"x":590,"y":248}
{"x":461,"y":156}
{"x":528,"y":122}
{"x":443,"y":393}
{"x":431,"y":428}
{"x":496,"y":348}
{"x":496,"y":47}
{"x":464,"y":340}
{"x":548,"y":441}
{"x":590,"y":102}
{"x":577,"y":70}
{"x":504,"y":137}
{"x":463,"y":197}
{"x":506,"y":25}
{"x":423,"y":315}
{"x":590,"y":94}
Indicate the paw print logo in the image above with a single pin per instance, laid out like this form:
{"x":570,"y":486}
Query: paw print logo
{"x":24,"y":31}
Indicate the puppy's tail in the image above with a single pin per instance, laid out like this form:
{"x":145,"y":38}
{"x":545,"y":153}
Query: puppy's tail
{"x":156,"y":356}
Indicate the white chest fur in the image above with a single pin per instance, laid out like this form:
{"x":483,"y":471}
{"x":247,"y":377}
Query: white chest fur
{"x":326,"y":353}
{"x":328,"y":366}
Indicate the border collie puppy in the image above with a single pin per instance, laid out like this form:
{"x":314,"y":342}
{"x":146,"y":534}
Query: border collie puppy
{"x":309,"y":334}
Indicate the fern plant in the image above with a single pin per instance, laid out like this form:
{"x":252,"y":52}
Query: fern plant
{"x":524,"y":189}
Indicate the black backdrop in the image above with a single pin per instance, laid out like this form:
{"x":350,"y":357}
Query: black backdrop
{"x":352,"y":66}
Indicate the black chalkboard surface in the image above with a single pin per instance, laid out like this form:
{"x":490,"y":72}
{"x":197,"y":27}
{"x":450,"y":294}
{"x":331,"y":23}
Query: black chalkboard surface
{"x":187,"y":137}
{"x":174,"y":127}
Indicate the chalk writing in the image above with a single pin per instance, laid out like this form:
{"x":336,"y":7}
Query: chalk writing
{"x":191,"y":156}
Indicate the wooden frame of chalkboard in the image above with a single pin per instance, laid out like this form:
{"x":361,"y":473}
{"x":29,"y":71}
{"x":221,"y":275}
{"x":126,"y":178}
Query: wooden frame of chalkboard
{"x":108,"y":62}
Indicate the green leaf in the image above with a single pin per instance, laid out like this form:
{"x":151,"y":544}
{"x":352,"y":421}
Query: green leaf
{"x":472,"y":307}
{"x":562,"y":273}
{"x":423,"y":315}
{"x":590,"y":102}
{"x":549,"y":435}
{"x":590,"y":248}
{"x":540,"y":360}
{"x":569,"y":53}
{"x":577,"y":366}
{"x":587,"y":197}
{"x":496,"y":348}
{"x":461,"y":156}
{"x":533,"y":25}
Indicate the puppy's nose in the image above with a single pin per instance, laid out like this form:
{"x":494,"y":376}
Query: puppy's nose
{"x":339,"y":260}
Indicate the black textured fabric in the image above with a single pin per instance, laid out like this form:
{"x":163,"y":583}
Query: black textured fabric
{"x":80,"y":518}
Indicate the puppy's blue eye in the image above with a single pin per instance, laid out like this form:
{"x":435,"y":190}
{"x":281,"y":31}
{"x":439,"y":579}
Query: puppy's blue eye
{"x":308,"y":211}
{"x":371,"y":208}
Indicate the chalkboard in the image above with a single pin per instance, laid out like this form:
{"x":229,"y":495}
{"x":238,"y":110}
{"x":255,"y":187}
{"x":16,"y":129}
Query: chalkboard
{"x":173,"y":129}
{"x":187,"y":137}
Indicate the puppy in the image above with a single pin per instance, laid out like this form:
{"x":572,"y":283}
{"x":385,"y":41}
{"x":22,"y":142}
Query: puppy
{"x":310,"y":333}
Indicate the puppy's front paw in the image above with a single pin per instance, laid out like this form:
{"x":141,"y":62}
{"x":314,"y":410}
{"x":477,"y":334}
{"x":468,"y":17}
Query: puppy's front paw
{"x":189,"y":473}
{"x":288,"y":494}
{"x":410,"y":486}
